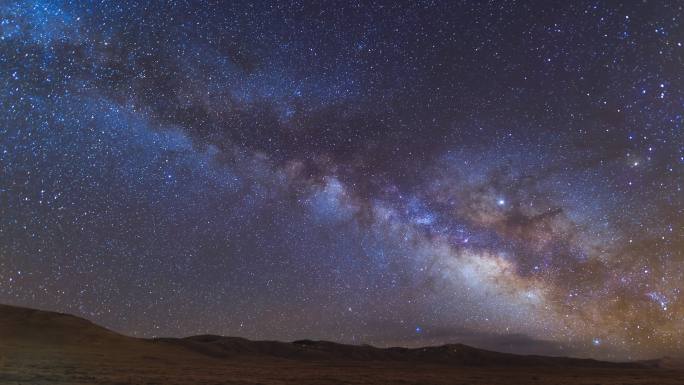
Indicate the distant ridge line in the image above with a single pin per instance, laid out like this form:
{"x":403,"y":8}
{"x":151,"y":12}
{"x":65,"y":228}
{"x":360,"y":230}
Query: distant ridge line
{"x":47,"y":327}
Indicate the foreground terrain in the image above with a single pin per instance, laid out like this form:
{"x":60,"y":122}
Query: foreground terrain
{"x":38,"y":347}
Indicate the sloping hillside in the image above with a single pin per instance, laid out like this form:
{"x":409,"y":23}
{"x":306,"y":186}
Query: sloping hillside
{"x":39,"y":347}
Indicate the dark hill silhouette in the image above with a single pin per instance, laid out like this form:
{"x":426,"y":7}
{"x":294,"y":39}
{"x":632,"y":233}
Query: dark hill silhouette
{"x":36,"y":326}
{"x":35,"y":345}
{"x":453,"y":354}
{"x":45,"y":327}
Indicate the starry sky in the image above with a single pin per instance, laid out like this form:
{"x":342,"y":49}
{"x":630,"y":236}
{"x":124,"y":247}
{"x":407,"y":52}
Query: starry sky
{"x":505,"y":174}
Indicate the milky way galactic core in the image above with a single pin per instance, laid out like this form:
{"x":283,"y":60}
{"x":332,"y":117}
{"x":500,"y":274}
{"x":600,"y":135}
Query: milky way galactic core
{"x":505,"y":174}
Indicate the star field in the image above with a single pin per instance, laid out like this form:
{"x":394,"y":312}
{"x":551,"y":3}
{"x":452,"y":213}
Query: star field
{"x":505,"y":174}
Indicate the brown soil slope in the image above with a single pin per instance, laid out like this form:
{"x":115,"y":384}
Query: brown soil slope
{"x":38,"y":347}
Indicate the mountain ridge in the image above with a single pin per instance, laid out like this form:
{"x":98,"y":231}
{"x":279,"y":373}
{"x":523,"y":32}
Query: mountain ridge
{"x":67,"y":329}
{"x":42,"y":347}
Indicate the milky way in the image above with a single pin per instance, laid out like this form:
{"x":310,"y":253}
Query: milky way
{"x":503,"y":174}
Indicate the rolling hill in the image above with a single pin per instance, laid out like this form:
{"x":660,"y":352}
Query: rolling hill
{"x":46,"y":347}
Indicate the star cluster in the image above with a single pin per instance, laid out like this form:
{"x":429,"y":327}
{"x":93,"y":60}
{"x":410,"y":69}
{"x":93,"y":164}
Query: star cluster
{"x":506,"y":174}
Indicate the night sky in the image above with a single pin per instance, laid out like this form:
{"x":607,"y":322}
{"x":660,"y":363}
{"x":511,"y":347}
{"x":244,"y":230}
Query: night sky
{"x":505,"y":174}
